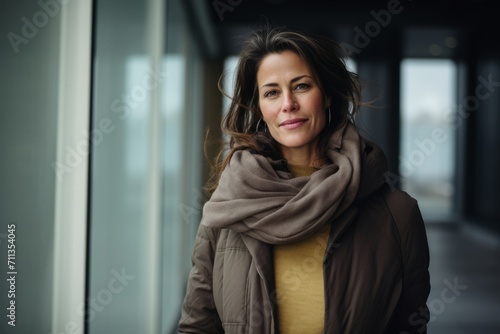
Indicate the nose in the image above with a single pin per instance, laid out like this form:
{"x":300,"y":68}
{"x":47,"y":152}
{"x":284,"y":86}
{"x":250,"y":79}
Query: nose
{"x":289,"y":103}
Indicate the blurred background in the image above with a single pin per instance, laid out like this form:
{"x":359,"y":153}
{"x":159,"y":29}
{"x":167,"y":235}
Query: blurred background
{"x":104,"y":106}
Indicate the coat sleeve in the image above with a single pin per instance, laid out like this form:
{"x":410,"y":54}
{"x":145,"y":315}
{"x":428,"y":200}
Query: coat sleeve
{"x":412,"y":314}
{"x":199,"y":314}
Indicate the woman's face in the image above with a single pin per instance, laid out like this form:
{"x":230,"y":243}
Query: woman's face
{"x":292,"y":105}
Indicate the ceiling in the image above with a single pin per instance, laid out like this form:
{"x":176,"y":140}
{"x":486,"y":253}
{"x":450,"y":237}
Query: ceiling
{"x":421,"y":27}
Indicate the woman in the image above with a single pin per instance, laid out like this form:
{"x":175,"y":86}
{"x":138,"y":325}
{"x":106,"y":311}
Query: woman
{"x":301,"y":233}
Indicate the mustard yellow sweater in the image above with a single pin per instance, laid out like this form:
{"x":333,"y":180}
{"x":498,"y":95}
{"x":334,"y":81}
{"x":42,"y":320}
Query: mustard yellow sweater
{"x":298,"y":269}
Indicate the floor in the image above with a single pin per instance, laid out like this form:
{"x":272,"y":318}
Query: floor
{"x":465,"y":280}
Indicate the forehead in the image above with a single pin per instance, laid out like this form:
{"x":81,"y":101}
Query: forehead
{"x":277,"y":65}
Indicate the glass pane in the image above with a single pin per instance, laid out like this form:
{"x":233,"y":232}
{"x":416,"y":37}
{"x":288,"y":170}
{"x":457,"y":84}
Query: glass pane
{"x":180,"y":105}
{"x":137,"y":280}
{"x":229,"y":75}
{"x":228,"y":82}
{"x":119,"y":171}
{"x":427,"y":160}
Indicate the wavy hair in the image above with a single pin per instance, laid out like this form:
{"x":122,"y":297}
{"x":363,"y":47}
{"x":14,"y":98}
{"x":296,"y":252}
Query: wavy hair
{"x":326,"y":60}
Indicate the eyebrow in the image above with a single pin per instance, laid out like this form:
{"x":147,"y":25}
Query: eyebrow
{"x":273,"y":84}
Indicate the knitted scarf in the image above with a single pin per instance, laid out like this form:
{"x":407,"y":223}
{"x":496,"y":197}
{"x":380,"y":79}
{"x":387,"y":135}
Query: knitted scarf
{"x":258,"y":197}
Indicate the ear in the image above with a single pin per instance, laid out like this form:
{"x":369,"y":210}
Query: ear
{"x":328,"y":102}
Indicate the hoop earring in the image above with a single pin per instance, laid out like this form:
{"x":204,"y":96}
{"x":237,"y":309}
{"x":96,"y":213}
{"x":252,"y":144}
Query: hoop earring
{"x":257,"y":126}
{"x":329,"y":116}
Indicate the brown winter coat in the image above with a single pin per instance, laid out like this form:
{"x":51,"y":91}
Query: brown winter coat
{"x":375,"y":270}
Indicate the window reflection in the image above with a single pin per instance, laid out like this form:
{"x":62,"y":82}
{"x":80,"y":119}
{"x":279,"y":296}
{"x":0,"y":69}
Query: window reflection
{"x":427,"y":160}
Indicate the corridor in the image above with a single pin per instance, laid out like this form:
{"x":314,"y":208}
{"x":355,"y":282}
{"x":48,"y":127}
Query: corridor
{"x":465,"y":279}
{"x":105,"y":107}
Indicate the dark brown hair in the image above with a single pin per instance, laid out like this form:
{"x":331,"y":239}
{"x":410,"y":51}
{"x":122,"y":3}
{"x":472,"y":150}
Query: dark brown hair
{"x":326,"y":60}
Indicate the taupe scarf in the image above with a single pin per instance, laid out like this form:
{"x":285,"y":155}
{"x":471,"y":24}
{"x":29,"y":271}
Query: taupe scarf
{"x":255,"y":197}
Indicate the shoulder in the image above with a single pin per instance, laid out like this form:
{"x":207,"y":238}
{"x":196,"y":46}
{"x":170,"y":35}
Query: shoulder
{"x":408,"y":221}
{"x":393,"y":211}
{"x":401,"y":204}
{"x":398,"y":203}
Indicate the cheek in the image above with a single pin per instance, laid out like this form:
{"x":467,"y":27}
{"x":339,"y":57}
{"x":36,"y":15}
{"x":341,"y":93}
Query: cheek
{"x":262,"y":108}
{"x":267,"y":113}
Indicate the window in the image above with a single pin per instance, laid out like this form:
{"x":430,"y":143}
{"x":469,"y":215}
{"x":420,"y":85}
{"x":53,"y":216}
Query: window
{"x":427,"y":160}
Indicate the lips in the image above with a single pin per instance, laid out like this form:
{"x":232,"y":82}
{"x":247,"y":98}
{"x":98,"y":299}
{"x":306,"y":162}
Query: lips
{"x":293,"y":123}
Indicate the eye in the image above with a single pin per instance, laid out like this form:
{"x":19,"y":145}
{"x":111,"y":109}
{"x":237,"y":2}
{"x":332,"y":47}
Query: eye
{"x":302,"y":86}
{"x":270,"y":93}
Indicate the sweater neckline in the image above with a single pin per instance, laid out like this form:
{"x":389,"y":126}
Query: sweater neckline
{"x":300,"y":170}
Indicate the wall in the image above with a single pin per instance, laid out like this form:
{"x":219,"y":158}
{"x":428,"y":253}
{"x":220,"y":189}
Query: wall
{"x":484,"y":161}
{"x":43,"y":119}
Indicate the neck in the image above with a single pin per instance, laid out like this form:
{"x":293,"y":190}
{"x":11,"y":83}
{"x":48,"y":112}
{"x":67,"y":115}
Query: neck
{"x":302,"y":157}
